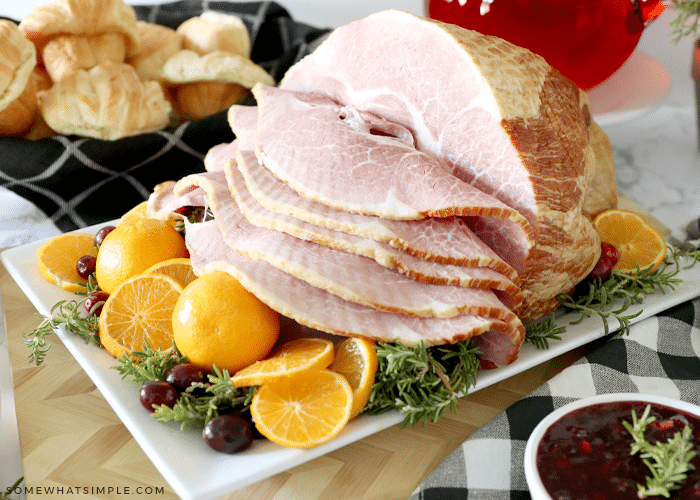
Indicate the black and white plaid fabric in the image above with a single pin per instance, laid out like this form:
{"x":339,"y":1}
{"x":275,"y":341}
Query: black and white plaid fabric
{"x":79,"y":182}
{"x":661,"y":356}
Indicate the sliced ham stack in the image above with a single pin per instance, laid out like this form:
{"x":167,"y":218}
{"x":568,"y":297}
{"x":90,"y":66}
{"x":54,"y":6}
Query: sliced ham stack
{"x":402,"y":195}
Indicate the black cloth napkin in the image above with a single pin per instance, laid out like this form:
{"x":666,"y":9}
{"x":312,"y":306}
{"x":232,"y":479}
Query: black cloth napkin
{"x":79,"y":181}
{"x":660,"y":356}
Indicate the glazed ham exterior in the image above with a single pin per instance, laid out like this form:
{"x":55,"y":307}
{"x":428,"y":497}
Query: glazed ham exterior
{"x":495,"y":115}
{"x":400,"y":195}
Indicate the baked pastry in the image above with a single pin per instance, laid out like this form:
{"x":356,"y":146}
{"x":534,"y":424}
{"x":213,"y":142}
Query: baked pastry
{"x":81,"y":18}
{"x":108,"y":101}
{"x":66,"y":54}
{"x":17,"y":92}
{"x":213,"y":31}
{"x":203,"y":85}
{"x":158,"y":43}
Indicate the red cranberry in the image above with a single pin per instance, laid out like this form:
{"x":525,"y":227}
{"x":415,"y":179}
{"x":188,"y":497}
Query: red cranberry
{"x":158,"y":393}
{"x":610,"y":252}
{"x":86,"y":266}
{"x":101,"y":234}
{"x":94,"y":302}
{"x":608,"y":258}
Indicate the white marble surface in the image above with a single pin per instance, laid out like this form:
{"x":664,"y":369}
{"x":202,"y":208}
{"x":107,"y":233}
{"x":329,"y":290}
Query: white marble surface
{"x":657,"y":158}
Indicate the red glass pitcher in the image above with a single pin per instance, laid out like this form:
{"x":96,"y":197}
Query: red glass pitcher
{"x":587,"y":40}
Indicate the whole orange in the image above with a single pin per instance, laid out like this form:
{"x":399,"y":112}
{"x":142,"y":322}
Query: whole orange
{"x":217,"y":321}
{"x":133,"y":247}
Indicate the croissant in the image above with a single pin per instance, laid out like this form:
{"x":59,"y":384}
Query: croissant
{"x":17,"y":92}
{"x":83,"y":18}
{"x":108,"y":101}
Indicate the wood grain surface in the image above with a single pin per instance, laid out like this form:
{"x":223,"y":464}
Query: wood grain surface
{"x":70,"y":436}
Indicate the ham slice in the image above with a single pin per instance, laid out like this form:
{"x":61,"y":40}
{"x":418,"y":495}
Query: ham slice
{"x":306,"y":140}
{"x":495,"y":115}
{"x":446,"y":240}
{"x":383,"y":253}
{"x":315,"y":308}
{"x":352,"y":277}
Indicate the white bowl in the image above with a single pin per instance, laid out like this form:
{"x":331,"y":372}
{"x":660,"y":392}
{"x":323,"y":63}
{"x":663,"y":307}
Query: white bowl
{"x":534,"y":482}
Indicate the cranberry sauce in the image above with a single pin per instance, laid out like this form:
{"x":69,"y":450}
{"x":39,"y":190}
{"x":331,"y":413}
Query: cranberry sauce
{"x":586,"y":453}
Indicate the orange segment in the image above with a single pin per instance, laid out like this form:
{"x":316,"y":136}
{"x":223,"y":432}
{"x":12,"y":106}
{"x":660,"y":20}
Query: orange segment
{"x":59,"y":255}
{"x":295,"y":357}
{"x":179,"y":269}
{"x":303,"y":411}
{"x":140,"y":310}
{"x":357,"y":361}
{"x":637,"y":243}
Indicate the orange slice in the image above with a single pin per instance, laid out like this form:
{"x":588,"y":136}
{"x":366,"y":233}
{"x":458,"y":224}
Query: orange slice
{"x":293,"y":358}
{"x":58,"y":256}
{"x":638,"y":244}
{"x":357,"y":361}
{"x":137,"y":312}
{"x":302,"y":411}
{"x":179,"y":269}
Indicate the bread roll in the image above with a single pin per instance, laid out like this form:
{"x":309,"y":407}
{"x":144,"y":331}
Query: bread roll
{"x":203,"y":85}
{"x":158,"y":43}
{"x":17,"y":92}
{"x":108,"y":101}
{"x":213,"y":31}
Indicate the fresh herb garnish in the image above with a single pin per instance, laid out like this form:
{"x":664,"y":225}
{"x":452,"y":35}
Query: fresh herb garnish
{"x":610,"y":299}
{"x":422,"y":382}
{"x":540,"y":332}
{"x":72,"y":315}
{"x":687,"y":21}
{"x":668,"y":462}
{"x":203,"y":401}
{"x":150,"y":364}
{"x":67,"y":313}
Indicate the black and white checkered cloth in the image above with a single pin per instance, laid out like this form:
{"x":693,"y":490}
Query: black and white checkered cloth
{"x":660,"y":356}
{"x":79,"y":182}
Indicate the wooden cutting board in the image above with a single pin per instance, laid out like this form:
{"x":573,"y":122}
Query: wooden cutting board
{"x":71,"y":438}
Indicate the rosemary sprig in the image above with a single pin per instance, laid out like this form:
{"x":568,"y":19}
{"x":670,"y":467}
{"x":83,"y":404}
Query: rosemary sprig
{"x":203,"y":401}
{"x":539,"y":333}
{"x":603,"y":297}
{"x":150,"y":364}
{"x":687,"y":21}
{"x":66,"y":313}
{"x":668,"y":462}
{"x":422,"y":382}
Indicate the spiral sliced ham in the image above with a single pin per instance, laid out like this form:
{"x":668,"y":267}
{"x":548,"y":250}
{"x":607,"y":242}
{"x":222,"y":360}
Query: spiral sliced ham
{"x":447,"y":240}
{"x":316,"y":308}
{"x":493,"y":114}
{"x":353,"y":277}
{"x":425,"y":271}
